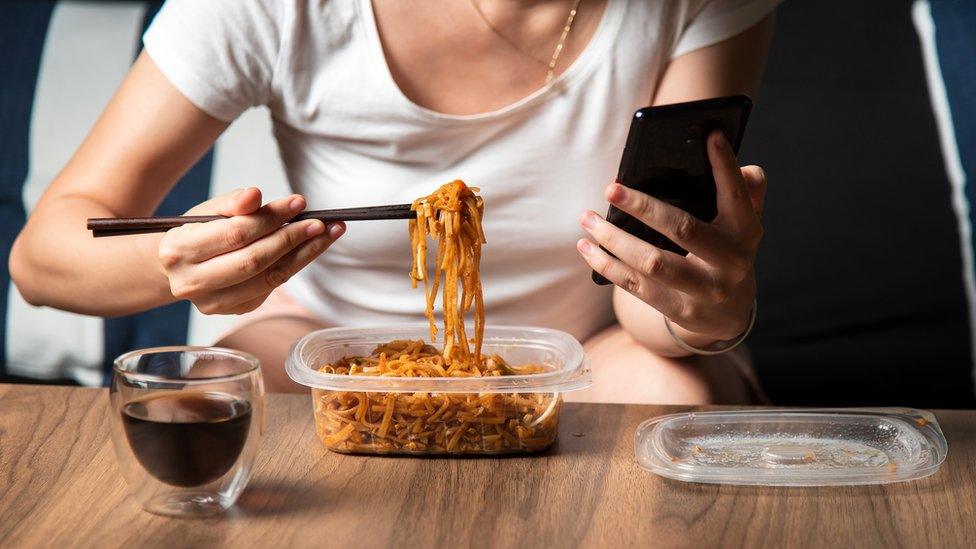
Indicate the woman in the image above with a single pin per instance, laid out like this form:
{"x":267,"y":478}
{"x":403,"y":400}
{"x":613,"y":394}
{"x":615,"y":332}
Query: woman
{"x":380,"y":102}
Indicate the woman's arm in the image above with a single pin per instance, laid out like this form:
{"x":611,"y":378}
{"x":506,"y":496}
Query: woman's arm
{"x":708,"y":295}
{"x":147,"y":137}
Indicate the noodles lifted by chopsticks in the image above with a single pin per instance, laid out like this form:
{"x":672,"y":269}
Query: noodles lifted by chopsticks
{"x":452,"y":215}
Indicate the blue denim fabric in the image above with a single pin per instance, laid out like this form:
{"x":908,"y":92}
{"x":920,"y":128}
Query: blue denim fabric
{"x":23,"y":28}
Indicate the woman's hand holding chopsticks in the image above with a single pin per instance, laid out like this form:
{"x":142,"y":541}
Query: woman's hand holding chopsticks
{"x":230,"y":266}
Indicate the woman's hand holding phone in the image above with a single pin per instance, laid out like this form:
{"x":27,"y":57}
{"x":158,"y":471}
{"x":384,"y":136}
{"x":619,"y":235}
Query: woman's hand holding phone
{"x":709,"y":293}
{"x":230,"y":266}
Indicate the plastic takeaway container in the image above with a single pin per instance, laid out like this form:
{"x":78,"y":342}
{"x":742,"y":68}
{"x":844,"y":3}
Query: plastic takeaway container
{"x":793,"y":447}
{"x":439,"y":415}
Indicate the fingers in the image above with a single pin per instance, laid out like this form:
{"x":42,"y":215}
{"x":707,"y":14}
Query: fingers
{"x":755,"y":178}
{"x":247,"y":295}
{"x":732,"y":196}
{"x":231,"y":265}
{"x":654,"y":263}
{"x":254,"y":260}
{"x":707,"y":292}
{"x":684,"y":229}
{"x":665,"y":300}
{"x":739,"y":203}
{"x":196,"y":242}
{"x":239,"y":202}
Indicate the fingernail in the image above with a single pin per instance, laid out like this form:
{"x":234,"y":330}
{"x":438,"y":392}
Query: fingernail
{"x":336,"y":230}
{"x":315,"y":228}
{"x":296,"y":204}
{"x":721,"y":142}
{"x":584,"y":246}
{"x":616,"y":192}
{"x":589,"y":220}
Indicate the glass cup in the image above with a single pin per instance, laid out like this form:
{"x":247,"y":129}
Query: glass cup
{"x":186,"y":425}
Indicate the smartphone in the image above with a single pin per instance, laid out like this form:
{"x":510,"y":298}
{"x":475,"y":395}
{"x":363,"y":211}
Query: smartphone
{"x":666,"y":157}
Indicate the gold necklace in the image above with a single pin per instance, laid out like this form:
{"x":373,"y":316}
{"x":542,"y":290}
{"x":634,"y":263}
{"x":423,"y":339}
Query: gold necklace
{"x":551,"y":65}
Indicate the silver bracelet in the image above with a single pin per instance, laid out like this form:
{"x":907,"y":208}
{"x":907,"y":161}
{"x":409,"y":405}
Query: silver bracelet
{"x":718,"y":347}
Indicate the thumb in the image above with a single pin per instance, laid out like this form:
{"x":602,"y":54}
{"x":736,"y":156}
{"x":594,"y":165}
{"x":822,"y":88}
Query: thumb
{"x":239,"y":202}
{"x":755,"y":178}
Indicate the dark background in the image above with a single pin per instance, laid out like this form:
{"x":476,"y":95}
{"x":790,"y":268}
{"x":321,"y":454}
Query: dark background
{"x":860,"y":276}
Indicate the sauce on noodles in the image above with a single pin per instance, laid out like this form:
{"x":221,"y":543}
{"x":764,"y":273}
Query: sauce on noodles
{"x":452,"y":215}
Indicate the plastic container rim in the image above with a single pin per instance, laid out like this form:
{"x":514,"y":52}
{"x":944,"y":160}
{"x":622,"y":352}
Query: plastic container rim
{"x":575,"y":373}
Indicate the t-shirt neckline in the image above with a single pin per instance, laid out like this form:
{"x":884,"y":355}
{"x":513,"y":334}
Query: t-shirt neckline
{"x":583,"y":64}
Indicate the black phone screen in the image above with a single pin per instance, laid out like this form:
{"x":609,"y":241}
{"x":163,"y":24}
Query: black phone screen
{"x":666,"y":157}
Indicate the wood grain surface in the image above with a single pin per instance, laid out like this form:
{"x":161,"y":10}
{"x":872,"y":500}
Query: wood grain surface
{"x":59,"y":486}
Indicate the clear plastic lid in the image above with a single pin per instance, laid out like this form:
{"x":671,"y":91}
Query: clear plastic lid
{"x":568,"y":368}
{"x":793,"y":447}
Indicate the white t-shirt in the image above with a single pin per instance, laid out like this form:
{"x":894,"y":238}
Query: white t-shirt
{"x":349,"y":137}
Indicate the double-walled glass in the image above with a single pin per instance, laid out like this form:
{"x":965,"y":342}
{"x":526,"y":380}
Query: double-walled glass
{"x":186,"y":425}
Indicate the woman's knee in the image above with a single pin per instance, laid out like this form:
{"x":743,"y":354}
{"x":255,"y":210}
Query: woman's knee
{"x":270,"y":340}
{"x":627,"y":372}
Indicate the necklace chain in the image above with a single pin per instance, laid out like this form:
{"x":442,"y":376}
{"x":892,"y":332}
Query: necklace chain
{"x":562,"y":40}
{"x":551,"y":65}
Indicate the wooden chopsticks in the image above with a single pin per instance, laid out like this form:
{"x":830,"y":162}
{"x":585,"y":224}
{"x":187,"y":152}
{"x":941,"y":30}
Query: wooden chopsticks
{"x":118,"y":226}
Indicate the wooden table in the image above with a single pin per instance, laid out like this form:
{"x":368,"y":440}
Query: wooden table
{"x":59,"y":486}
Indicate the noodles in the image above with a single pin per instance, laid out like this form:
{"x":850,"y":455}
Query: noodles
{"x":427,"y":422}
{"x":490,"y":423}
{"x":453,"y":216}
{"x":439,"y":422}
